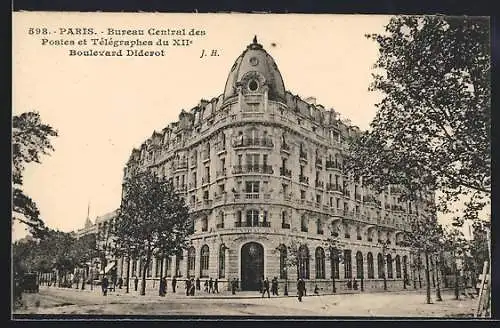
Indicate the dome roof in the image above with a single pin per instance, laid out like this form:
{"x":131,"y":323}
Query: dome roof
{"x":255,"y":61}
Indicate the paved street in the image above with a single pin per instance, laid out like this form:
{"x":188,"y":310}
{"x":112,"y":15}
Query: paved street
{"x":406,"y":304}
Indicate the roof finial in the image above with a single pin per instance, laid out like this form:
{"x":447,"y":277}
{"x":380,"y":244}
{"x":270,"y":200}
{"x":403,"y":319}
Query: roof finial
{"x":255,"y":39}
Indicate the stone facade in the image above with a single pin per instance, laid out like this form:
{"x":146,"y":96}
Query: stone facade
{"x":260,"y":165}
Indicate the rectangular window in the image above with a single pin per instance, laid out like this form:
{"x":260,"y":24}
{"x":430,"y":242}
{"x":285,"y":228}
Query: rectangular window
{"x":252,"y":186}
{"x":150,"y":268}
{"x":158,"y":267}
{"x":318,"y":199}
{"x":168,"y":267}
{"x":302,"y":194}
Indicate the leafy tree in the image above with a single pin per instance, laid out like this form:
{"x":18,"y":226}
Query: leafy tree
{"x":335,"y":248}
{"x":151,"y":218}
{"x":84,"y":250}
{"x":30,"y":139}
{"x":433,"y":123}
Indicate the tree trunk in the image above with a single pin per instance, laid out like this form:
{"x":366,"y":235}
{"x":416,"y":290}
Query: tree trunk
{"x":161,"y":278}
{"x":143,"y":285}
{"x":457,"y":293}
{"x":128,"y":274}
{"x":427,"y":278}
{"x":438,"y":284}
{"x":83,"y":278}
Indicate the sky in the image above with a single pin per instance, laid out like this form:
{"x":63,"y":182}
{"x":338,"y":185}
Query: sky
{"x":104,"y":107}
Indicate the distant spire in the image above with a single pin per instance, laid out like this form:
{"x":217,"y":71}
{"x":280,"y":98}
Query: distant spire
{"x":88,"y":223}
{"x":255,"y":39}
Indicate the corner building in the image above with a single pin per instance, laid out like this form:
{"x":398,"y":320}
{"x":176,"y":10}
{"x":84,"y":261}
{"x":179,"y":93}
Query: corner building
{"x":260,"y":167}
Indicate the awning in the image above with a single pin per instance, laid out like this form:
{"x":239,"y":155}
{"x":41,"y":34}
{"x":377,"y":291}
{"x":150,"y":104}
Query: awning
{"x":108,"y":267}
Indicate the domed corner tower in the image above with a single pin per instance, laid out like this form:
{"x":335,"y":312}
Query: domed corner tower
{"x":255,"y":72}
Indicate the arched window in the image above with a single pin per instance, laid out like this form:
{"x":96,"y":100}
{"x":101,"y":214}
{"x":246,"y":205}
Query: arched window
{"x":380,"y":265}
{"x":334,"y":263}
{"x":320,"y":263}
{"x":347,"y":264}
{"x":398,"y":267}
{"x":283,"y":264}
{"x":359,"y":266}
{"x":389,"y":267}
{"x":371,"y":271}
{"x":405,"y":267}
{"x":191,"y":261}
{"x":205,"y":253}
{"x":303,"y":260}
{"x":222,"y":261}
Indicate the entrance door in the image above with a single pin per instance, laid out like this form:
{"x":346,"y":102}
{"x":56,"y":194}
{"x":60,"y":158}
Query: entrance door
{"x":252,"y":266}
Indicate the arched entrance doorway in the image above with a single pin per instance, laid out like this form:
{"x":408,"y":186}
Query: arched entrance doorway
{"x":252,"y":265}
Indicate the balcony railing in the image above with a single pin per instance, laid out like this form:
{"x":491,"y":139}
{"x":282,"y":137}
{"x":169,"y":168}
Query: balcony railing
{"x":303,"y":179}
{"x":220,"y":225}
{"x":333,"y":165}
{"x":252,"y":142}
{"x":250,"y":224}
{"x":181,"y":188}
{"x":358,"y":237}
{"x":319,"y":162}
{"x":357,"y":197}
{"x":335,"y":234}
{"x":221,"y":173}
{"x":285,"y":147}
{"x":370,"y":239}
{"x":319,"y":184}
{"x":284,"y":172}
{"x":303,"y":155}
{"x":285,"y":225}
{"x":265,"y":169}
{"x":333,"y":187}
{"x":347,"y":235}
{"x":252,"y":195}
{"x":192,"y":185}
{"x":304,"y":229}
{"x":180,"y":165}
{"x":320,"y":231}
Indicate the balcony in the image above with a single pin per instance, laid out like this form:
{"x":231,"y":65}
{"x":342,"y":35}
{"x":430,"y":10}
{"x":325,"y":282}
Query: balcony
{"x":370,"y":239}
{"x":284,"y":172}
{"x":264,"y":169}
{"x":181,"y":165}
{"x":319,"y":184}
{"x":333,"y":165}
{"x":359,"y":238}
{"x":303,"y":156}
{"x":250,"y":224}
{"x":181,"y":188}
{"x":253,"y":142}
{"x":320,"y":231}
{"x":319,"y":162}
{"x":347,"y":235}
{"x":205,"y":180}
{"x":285,"y":148}
{"x":303,"y":179}
{"x":252,"y":195}
{"x":220,"y":225}
{"x":357,"y":197}
{"x":285,"y":225}
{"x":221,"y":173}
{"x":304,"y":229}
{"x":333,"y":187}
{"x":191,"y":185}
{"x":347,"y":193}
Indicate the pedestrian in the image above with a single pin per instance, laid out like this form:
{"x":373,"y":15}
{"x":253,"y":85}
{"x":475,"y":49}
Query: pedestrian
{"x":316,"y":289}
{"x":198,"y":285}
{"x":120,"y":282}
{"x":355,"y":284}
{"x":162,"y":287}
{"x":266,"y":288}
{"x":300,"y":289}
{"x":136,"y":283}
{"x":192,"y":287}
{"x":233,"y":286}
{"x":274,"y":286}
{"x":349,"y":284}
{"x":210,"y":285}
{"x":188,"y":286}
{"x":174,"y":284}
{"x":205,"y":286}
{"x":216,"y":286}
{"x":104,"y":285}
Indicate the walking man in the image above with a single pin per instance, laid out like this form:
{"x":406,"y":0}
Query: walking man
{"x":210,"y":286}
{"x":300,"y":289}
{"x":233,"y":286}
{"x":216,"y":286}
{"x":104,"y":285}
{"x":265,"y":288}
{"x":174,"y":284}
{"x":274,"y":286}
{"x":188,"y":286}
{"x":198,"y":285}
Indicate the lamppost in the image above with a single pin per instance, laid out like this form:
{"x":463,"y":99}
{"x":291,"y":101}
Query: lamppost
{"x":384,"y":262}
